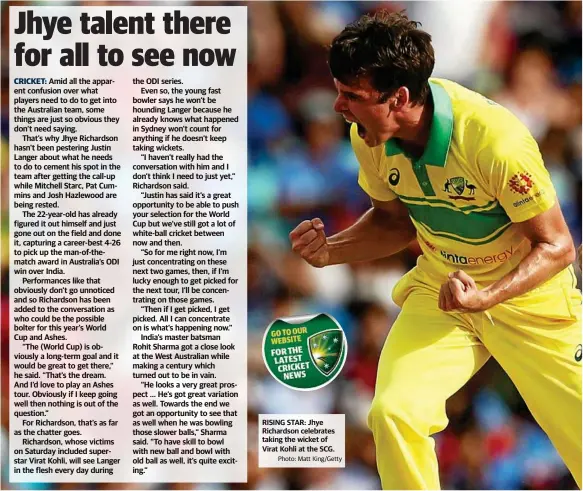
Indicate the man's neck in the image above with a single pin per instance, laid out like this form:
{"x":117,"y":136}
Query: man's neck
{"x":415,"y":129}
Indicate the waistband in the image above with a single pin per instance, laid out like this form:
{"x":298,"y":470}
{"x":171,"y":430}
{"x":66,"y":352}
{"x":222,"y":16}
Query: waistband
{"x":431,"y":282}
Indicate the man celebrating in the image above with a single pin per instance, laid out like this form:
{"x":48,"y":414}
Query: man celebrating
{"x":464,"y":176}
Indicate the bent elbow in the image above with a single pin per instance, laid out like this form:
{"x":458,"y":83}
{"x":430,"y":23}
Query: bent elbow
{"x":560,"y":253}
{"x":408,"y":229}
{"x":569,"y":255}
{"x":412,"y":233}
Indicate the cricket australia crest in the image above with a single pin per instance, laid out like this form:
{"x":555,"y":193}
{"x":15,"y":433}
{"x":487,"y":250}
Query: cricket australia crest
{"x":460,"y":185}
{"x":326,"y":349}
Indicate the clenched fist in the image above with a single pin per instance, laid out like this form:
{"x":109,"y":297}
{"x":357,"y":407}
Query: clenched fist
{"x":308,"y":239}
{"x":461,"y":294}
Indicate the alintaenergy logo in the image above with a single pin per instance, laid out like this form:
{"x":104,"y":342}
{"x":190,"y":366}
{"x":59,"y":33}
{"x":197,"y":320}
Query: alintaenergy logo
{"x":528,"y":199}
{"x":493,"y":259}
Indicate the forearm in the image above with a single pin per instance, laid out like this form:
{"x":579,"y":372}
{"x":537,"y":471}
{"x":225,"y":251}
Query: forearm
{"x":375,"y":235}
{"x":543,"y":262}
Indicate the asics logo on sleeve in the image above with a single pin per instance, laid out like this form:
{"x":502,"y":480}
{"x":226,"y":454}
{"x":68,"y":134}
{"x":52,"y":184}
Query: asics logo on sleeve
{"x":394,"y":177}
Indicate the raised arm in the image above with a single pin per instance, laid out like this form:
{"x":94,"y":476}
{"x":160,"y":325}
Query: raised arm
{"x":383,"y":230}
{"x":516,"y":176}
{"x":552,"y":251}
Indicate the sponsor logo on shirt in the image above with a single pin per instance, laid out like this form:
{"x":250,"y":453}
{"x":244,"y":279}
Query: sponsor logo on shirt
{"x":521,"y":182}
{"x":528,"y":199}
{"x":474,"y":261}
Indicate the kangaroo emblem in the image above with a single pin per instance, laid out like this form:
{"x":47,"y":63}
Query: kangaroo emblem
{"x":455,"y":187}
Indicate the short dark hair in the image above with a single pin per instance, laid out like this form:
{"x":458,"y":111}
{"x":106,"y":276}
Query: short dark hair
{"x":387,"y":48}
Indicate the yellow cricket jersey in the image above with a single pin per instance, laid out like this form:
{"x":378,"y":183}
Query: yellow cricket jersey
{"x":481,"y":172}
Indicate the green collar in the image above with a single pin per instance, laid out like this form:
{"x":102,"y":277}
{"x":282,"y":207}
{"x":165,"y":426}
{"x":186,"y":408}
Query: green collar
{"x":440,"y":134}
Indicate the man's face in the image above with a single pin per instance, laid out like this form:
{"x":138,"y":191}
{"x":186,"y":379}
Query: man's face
{"x":362,"y":104}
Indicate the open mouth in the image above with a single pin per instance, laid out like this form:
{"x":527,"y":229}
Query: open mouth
{"x":359,"y":127}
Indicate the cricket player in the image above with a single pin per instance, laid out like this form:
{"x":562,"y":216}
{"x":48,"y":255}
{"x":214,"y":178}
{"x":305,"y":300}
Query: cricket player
{"x":462,"y":175}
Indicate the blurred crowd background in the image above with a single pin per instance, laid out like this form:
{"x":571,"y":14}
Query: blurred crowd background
{"x":524,"y":55}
